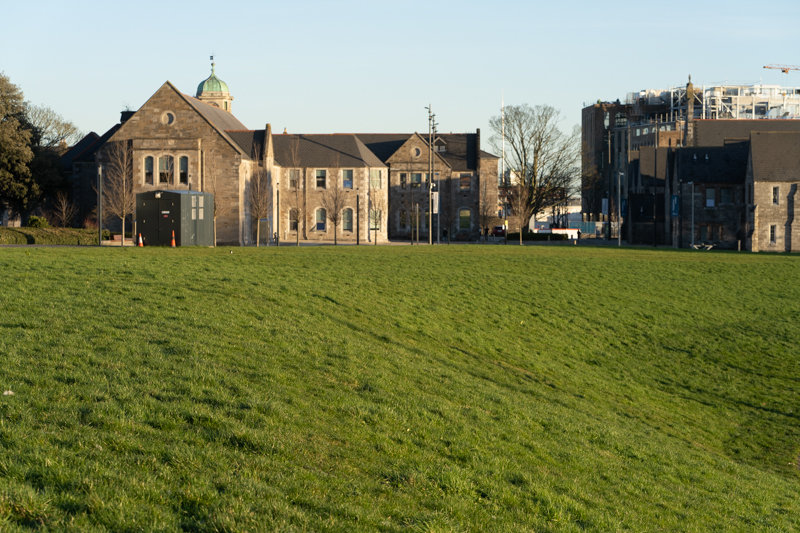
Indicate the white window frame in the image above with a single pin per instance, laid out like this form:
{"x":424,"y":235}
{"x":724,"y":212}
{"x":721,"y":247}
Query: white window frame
{"x":316,"y":178}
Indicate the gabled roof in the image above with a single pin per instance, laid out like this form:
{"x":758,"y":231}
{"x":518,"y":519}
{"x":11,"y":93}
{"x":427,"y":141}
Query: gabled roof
{"x":88,"y":140}
{"x":775,"y":156}
{"x":323,"y":151}
{"x":714,"y":132}
{"x":713,"y":164}
{"x":217,"y":118}
{"x":460,"y":153}
{"x":87,"y":156}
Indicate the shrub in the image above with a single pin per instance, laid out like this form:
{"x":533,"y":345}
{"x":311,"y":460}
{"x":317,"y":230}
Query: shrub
{"x":12,"y":236}
{"x":47,"y":236}
{"x":38,"y":222}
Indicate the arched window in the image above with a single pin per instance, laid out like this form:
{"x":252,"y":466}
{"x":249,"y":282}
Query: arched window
{"x":347,"y":220}
{"x":166,"y":169}
{"x":293,"y":219}
{"x":183,"y":165}
{"x":463,"y":218}
{"x":403,"y":220}
{"x":321,"y":217}
{"x":148,"y":170}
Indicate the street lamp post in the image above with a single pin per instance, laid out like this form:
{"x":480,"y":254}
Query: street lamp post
{"x":619,"y":209}
{"x":692,"y":184}
{"x":100,"y":205}
{"x":358,"y":219}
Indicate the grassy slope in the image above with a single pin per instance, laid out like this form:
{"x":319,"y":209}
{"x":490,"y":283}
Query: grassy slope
{"x":460,"y":388}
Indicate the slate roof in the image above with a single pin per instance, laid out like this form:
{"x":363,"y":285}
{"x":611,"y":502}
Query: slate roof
{"x":67,"y":157}
{"x":87,"y":156}
{"x":324,"y":151}
{"x":775,"y":156}
{"x":725,"y":164}
{"x":248,"y":140}
{"x":460,"y":148}
{"x":218,"y":117}
{"x":714,"y":132}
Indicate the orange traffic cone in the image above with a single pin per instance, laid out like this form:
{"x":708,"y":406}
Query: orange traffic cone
{"x":173,"y":238}
{"x":141,"y":244}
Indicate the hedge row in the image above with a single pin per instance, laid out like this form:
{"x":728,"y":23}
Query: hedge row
{"x":47,"y":236}
{"x":538,"y":237}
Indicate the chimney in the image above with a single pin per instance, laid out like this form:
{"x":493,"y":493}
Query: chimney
{"x":478,"y":151}
{"x":125,"y":115}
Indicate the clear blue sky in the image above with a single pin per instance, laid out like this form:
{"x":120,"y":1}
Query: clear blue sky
{"x":372,"y":66}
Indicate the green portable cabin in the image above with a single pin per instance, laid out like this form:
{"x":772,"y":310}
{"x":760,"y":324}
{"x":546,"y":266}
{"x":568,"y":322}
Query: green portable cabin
{"x":190,"y":214}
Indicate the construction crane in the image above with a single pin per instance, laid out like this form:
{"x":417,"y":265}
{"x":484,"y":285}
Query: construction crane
{"x":784,"y":68}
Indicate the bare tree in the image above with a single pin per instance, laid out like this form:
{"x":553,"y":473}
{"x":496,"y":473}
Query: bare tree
{"x":51,"y":130}
{"x":259,"y":196}
{"x":63,"y":210}
{"x":377,"y":205}
{"x":543,"y":157}
{"x":519,"y":198}
{"x":334,"y":199}
{"x":298,"y":207}
{"x":118,"y":197}
{"x":487,"y":208}
{"x":211,"y":184}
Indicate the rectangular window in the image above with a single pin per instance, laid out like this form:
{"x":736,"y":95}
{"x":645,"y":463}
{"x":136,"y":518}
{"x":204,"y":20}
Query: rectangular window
{"x":403,"y":180}
{"x":347,"y":179}
{"x":772,"y":234}
{"x":375,"y":178}
{"x":725,"y":196}
{"x":293,"y":219}
{"x":321,"y":219}
{"x":464,"y":181}
{"x":321,"y":175}
{"x":403,"y":220}
{"x":711,"y":196}
{"x":775,"y":195}
{"x":416,"y":180}
{"x":714,"y":233}
{"x":374,"y":219}
{"x":703,"y":233}
{"x":294,"y":177}
{"x":463,"y":219}
{"x":347,"y":220}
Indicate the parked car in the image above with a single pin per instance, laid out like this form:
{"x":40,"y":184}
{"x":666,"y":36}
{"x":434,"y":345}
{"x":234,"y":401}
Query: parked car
{"x":499,"y":231}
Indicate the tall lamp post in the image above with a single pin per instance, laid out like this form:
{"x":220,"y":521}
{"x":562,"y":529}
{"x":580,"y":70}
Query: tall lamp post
{"x":100,"y":205}
{"x":278,"y":218}
{"x":619,"y":208}
{"x":358,"y":219}
{"x":692,"y":184}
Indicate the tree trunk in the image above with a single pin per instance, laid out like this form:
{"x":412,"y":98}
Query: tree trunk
{"x":215,"y":230}
{"x":258,"y":233}
{"x":335,"y":242}
{"x":122,"y":241}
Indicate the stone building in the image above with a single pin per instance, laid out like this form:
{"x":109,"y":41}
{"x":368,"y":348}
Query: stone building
{"x":773,"y":177}
{"x":181,"y":142}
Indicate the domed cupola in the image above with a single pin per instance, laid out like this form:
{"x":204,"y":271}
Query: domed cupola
{"x":214,"y":91}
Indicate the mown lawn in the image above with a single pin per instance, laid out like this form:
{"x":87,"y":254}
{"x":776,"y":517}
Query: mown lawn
{"x":453,"y":388}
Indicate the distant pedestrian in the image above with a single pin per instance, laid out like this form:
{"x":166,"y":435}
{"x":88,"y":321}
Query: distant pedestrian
{"x":579,"y":234}
{"x":444,"y":234}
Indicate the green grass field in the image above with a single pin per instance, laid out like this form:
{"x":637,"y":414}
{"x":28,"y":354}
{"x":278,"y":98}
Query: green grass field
{"x":452,"y":388}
